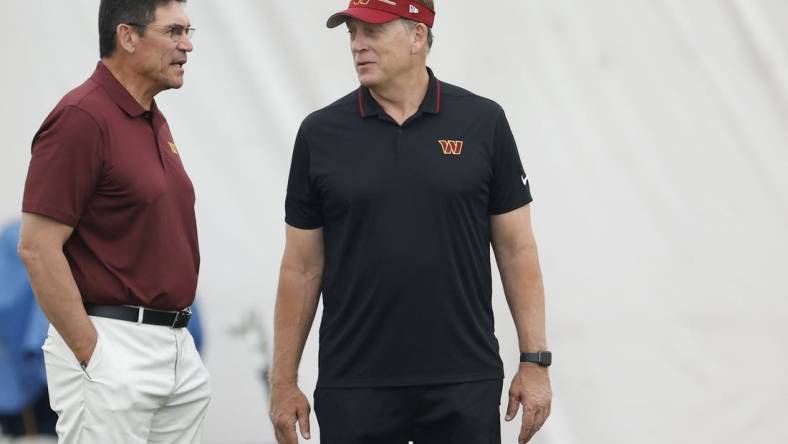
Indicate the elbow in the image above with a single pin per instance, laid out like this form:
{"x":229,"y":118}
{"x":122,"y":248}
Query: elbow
{"x":25,"y":253}
{"x":29,"y":252}
{"x":514,"y":251}
{"x":306,"y":270}
{"x":313,"y":273}
{"x":40,"y":239}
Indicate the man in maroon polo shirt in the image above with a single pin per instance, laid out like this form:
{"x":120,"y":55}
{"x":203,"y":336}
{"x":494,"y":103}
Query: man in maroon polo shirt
{"x":109,"y":240}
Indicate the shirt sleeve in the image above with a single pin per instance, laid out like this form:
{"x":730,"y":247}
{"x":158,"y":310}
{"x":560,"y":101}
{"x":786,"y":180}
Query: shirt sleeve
{"x":65,"y":167}
{"x":510,"y":187}
{"x":303,"y":204}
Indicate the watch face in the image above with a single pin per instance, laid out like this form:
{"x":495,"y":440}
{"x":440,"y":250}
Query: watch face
{"x":545,"y":358}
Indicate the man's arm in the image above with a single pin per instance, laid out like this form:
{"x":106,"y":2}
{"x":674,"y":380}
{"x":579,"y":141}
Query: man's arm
{"x":41,"y":250}
{"x":300,"y":278}
{"x":518,"y":262}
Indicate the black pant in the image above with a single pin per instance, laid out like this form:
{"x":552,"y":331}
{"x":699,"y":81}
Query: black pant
{"x":466,"y":413}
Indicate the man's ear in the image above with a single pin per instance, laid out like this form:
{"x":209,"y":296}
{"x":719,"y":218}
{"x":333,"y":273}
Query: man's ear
{"x":127,"y":38}
{"x":418,"y":38}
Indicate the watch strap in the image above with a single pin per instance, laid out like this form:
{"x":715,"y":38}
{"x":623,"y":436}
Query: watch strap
{"x":543,"y":358}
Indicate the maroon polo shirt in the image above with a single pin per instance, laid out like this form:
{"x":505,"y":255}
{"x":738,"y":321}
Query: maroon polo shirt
{"x":104,"y":165}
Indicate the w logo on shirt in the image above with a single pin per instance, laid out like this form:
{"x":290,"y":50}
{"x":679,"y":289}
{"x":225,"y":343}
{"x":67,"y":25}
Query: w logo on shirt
{"x":451,"y":147}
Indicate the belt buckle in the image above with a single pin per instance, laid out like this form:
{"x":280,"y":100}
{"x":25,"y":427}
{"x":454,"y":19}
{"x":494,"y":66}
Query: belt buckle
{"x":182,"y":318}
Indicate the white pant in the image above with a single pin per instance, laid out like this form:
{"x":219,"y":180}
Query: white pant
{"x":143,"y":384}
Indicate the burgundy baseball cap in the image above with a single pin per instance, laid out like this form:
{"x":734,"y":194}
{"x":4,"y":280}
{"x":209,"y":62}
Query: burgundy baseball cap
{"x":383,"y":11}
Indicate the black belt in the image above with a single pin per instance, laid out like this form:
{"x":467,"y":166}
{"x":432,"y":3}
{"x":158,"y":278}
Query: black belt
{"x":172,"y":319}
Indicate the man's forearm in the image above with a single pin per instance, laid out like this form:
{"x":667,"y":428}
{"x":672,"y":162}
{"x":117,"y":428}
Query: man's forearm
{"x":522,"y":282}
{"x":296,"y":303}
{"x":518,"y":263}
{"x":59,"y":298}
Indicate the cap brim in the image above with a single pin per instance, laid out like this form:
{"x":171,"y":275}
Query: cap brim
{"x":367,"y":15}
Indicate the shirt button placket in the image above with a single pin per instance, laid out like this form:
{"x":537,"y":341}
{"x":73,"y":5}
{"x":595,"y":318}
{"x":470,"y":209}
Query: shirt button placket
{"x":399,"y":148}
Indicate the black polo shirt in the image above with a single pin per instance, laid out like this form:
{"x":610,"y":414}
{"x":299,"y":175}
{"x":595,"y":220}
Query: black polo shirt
{"x":405,"y":212}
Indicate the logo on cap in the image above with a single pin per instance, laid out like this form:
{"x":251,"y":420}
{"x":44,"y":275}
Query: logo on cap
{"x":366,"y":2}
{"x":413,"y":10}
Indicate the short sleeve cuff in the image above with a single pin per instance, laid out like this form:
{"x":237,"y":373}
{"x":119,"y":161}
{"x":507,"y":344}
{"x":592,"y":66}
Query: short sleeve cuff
{"x":514,"y":204}
{"x":53,"y":213}
{"x":303,"y":224}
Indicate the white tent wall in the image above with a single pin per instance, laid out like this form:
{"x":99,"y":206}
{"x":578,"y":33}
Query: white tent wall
{"x":655,"y":136}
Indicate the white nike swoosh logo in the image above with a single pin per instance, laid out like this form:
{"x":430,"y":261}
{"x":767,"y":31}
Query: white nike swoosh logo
{"x":525,"y":180}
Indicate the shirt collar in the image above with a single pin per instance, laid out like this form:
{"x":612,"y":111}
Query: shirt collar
{"x":368,"y":107}
{"x":120,"y":95}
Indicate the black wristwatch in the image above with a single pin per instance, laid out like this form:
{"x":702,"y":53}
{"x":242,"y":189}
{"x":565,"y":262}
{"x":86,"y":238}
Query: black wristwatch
{"x":543,"y":358}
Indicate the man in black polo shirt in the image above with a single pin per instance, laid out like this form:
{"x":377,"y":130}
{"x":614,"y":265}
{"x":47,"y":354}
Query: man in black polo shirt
{"x":396,"y":192}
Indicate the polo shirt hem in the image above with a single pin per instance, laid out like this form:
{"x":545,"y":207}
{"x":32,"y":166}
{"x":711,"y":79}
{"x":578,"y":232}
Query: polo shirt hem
{"x":412,"y":381}
{"x":44,"y":210}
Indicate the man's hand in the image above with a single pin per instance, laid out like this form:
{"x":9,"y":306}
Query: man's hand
{"x":531,"y":388}
{"x":288,"y":407}
{"x":86,"y":353}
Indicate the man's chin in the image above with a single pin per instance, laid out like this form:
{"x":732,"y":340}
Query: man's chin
{"x":367,"y":81}
{"x":175,"y":83}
